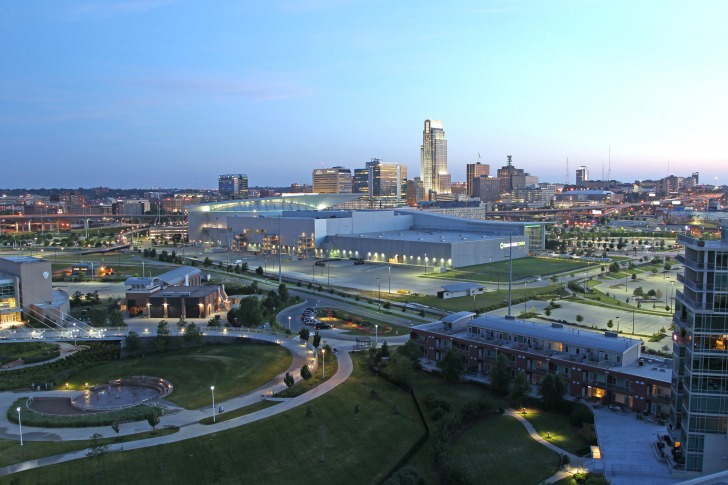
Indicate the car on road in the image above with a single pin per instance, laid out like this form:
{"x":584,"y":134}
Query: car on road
{"x":319,"y":263}
{"x":322,"y":326}
{"x":311,"y":321}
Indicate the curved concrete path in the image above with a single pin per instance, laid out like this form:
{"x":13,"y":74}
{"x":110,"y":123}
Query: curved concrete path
{"x":573,"y":459}
{"x":187,"y":421}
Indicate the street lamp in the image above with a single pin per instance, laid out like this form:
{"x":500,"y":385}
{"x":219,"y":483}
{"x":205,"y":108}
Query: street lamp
{"x":376,"y":335}
{"x":212,"y":389}
{"x":379,"y":297}
{"x":289,"y":323}
{"x":617,"y":324}
{"x":20,"y":425}
{"x":525,"y":297}
{"x":389,"y":275}
{"x":323,"y":363}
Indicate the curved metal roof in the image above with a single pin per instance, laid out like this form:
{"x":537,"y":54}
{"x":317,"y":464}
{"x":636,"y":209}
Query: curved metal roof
{"x":276,"y":204}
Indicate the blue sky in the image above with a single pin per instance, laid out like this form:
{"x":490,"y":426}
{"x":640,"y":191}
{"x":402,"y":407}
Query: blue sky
{"x":171,"y":93}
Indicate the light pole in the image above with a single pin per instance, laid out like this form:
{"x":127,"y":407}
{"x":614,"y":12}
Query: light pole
{"x":617,"y":324}
{"x":389,"y":275}
{"x":323,"y":363}
{"x":20,"y":425}
{"x":376,"y":335}
{"x":379,"y":297}
{"x":525,"y":296}
{"x":328,"y":275}
{"x":633,"y":321}
{"x":289,"y":323}
{"x":212,"y":389}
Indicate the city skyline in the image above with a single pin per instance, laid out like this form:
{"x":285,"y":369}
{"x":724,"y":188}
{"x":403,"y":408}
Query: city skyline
{"x":159,"y":92}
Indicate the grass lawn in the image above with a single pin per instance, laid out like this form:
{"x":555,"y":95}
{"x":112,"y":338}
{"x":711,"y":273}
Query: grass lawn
{"x":523,"y":268}
{"x":28,"y":350}
{"x":11,"y":452}
{"x":227,"y":415}
{"x":486,"y":300}
{"x":563,"y":434}
{"x":500,"y":448}
{"x":233,"y":369}
{"x":325,"y":441}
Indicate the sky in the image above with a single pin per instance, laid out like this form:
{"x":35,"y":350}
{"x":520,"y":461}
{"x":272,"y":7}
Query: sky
{"x":172,"y":93}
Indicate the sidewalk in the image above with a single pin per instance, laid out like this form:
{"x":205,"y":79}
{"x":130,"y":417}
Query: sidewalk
{"x":187,"y":421}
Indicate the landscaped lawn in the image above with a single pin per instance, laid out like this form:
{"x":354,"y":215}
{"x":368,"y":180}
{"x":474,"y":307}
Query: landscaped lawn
{"x":523,"y":268}
{"x":325,"y":441}
{"x":498,"y":449}
{"x":11,"y":452}
{"x":486,"y":300}
{"x":233,"y":369}
{"x":562,"y":432}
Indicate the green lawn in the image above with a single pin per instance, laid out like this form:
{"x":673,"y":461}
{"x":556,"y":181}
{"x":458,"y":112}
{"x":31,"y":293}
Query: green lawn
{"x":523,"y":268}
{"x":233,"y":369}
{"x":494,"y":299}
{"x":325,"y":441}
{"x":228,"y":415}
{"x":562,"y":432}
{"x":500,"y":448}
{"x":11,"y":452}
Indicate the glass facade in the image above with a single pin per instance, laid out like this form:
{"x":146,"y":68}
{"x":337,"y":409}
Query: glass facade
{"x":699,"y":404}
{"x":9,"y":302}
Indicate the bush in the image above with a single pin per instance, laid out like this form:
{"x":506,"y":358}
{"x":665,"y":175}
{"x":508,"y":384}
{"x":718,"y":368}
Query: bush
{"x":31,"y":418}
{"x":581,"y":414}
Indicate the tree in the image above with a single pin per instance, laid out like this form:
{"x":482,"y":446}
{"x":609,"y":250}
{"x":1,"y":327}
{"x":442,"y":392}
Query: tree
{"x":288,"y":380}
{"x":316,"y":339}
{"x":451,"y":365}
{"x":153,"y":419}
{"x":552,"y":391}
{"x":411,"y":351}
{"x":193,"y":334}
{"x":384,"y":351}
{"x":132,"y":341}
{"x":283,"y":292}
{"x":519,"y":387}
{"x":614,"y":267}
{"x":77,"y":298}
{"x":116,"y":426}
{"x":580,"y":318}
{"x":304,"y":334}
{"x":97,"y":449}
{"x":500,"y":377}
{"x":400,"y":368}
{"x":250,"y":312}
{"x":161,"y":343}
{"x":116,"y":318}
{"x":259,"y":271}
{"x":305,"y":373}
{"x":610,"y":323}
{"x":97,"y":317}
{"x":634,"y":276}
{"x":638,"y":292}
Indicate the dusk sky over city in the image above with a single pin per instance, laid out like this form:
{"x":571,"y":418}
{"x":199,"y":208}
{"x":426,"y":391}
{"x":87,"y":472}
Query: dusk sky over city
{"x":165,"y":93}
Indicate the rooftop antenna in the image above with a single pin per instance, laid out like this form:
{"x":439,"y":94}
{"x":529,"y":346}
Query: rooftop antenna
{"x":609,"y":168}
{"x":567,"y":170}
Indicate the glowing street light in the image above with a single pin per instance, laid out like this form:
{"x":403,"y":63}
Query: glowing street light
{"x":376,"y":335}
{"x":212,"y":389}
{"x":323,"y":363}
{"x":289,"y":323}
{"x":20,"y":424}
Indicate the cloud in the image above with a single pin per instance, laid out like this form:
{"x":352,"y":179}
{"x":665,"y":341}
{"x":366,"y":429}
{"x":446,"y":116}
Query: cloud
{"x":112,"y":8}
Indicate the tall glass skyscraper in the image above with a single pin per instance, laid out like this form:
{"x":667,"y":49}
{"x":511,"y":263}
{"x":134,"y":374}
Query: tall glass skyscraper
{"x":699,"y":394}
{"x":433,"y":159}
{"x":233,"y":186}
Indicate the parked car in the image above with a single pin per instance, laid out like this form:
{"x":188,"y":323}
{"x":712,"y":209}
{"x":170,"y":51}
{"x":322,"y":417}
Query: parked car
{"x":321,"y":326}
{"x":319,"y":263}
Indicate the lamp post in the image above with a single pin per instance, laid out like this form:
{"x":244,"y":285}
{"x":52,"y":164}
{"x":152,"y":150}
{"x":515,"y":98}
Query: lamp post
{"x":212,"y":389}
{"x":617,"y":324}
{"x":328,"y":275}
{"x":525,"y":296}
{"x":289,"y":323}
{"x":376,"y":335}
{"x":323,"y":363}
{"x":389,"y":276}
{"x":379,"y":297}
{"x":633,"y":321}
{"x":20,"y":425}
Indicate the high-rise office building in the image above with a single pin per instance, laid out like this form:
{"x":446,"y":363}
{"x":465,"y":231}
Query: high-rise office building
{"x":699,"y":394}
{"x":582,"y":175}
{"x":472,"y":172}
{"x":433,"y":159}
{"x":388,"y":180}
{"x":233,"y":186}
{"x":415,"y":191}
{"x":511,"y":178}
{"x":360,"y":182}
{"x":335,"y":180}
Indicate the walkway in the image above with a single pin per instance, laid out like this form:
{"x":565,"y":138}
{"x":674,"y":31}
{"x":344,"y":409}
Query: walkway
{"x":187,"y":421}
